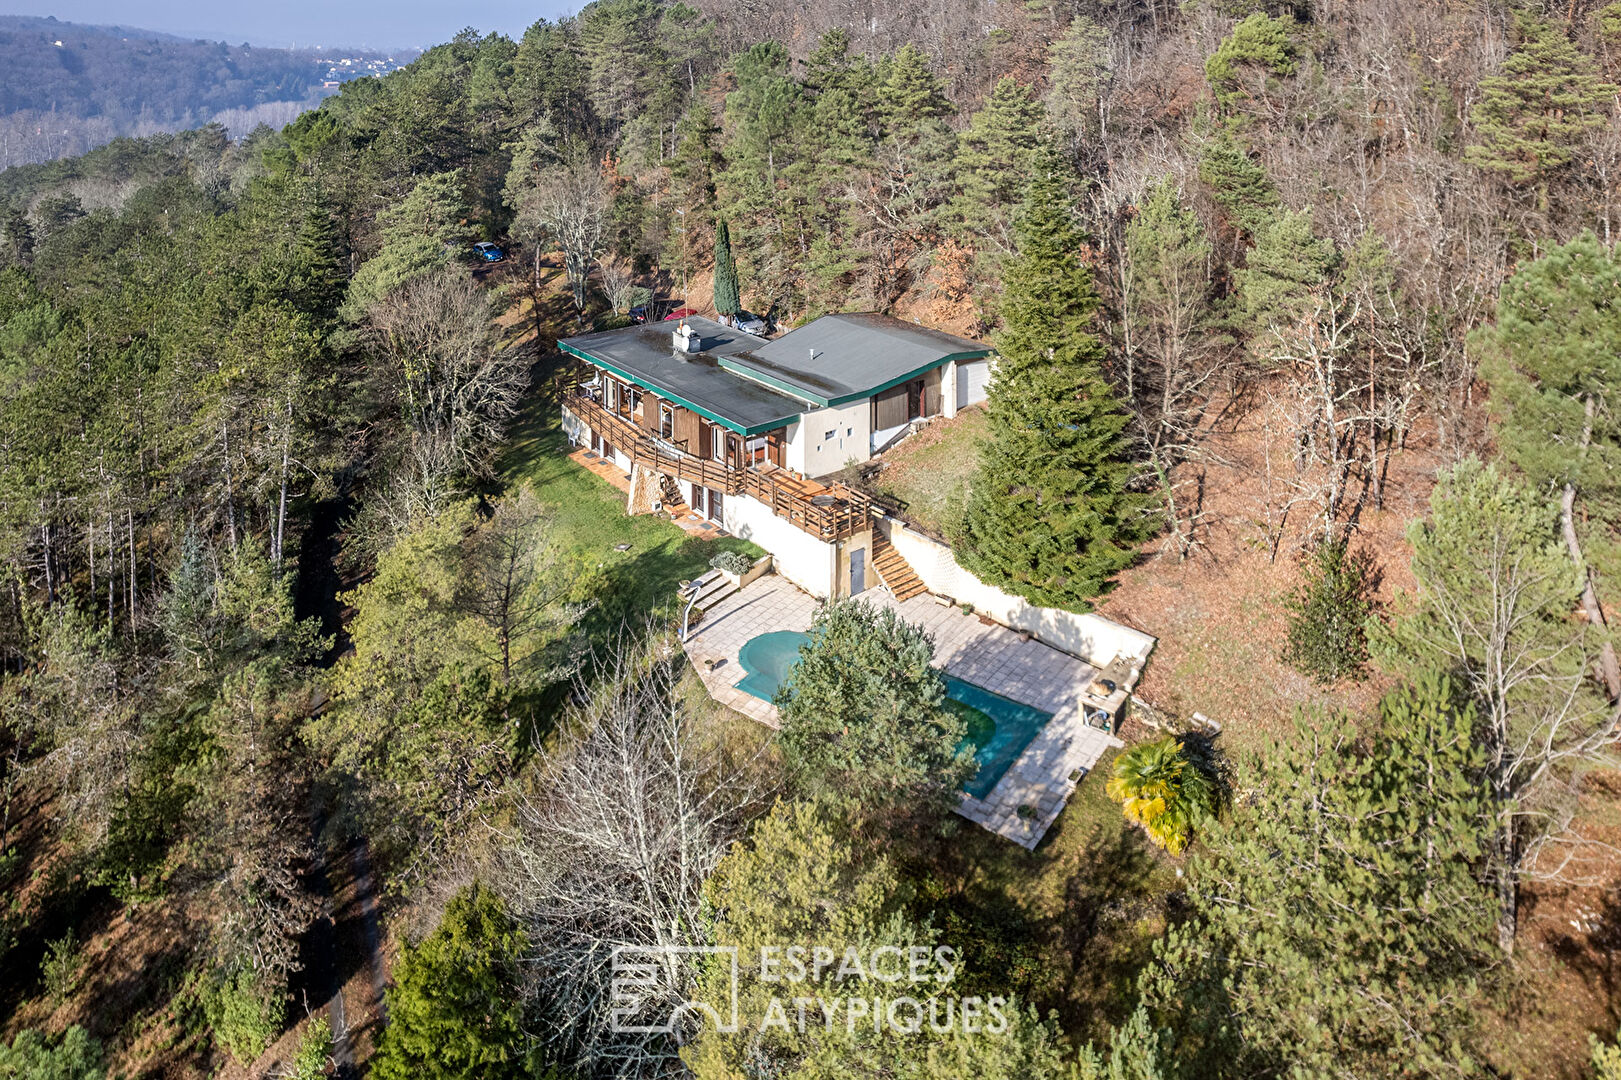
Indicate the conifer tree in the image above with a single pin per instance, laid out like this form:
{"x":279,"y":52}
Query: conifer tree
{"x":1531,"y":117}
{"x":1554,"y":364}
{"x":1337,"y":923}
{"x":1049,"y":516}
{"x":454,"y":1009}
{"x":994,"y":158}
{"x":727,"y":300}
{"x":1282,"y":272}
{"x":1240,"y":186}
{"x":912,"y":92}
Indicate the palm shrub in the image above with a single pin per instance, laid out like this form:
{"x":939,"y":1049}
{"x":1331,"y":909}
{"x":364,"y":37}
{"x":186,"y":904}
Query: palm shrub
{"x":1161,"y":787}
{"x":1328,"y":615}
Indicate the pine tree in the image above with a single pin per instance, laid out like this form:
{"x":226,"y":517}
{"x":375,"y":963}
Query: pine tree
{"x":1283,"y":271}
{"x":863,"y":711}
{"x":1049,"y":516}
{"x":1337,"y":926}
{"x":727,"y":299}
{"x":1554,"y":364}
{"x":1328,"y":615}
{"x":994,"y":159}
{"x":17,"y":237}
{"x":1240,"y":186}
{"x":454,"y":1009}
{"x":1531,"y":117}
{"x":1260,"y":41}
{"x":911,"y":92}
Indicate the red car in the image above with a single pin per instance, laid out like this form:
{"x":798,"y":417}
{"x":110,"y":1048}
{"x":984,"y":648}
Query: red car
{"x":680,"y":313}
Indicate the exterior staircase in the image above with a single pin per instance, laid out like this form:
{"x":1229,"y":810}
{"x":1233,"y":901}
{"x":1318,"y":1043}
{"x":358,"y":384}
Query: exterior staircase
{"x":674,"y":504}
{"x":895,"y":571}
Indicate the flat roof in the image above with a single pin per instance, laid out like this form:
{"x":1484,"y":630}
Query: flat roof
{"x":646,"y":355}
{"x":840,"y":358}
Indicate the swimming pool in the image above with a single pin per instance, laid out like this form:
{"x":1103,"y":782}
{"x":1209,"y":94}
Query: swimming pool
{"x":998,"y":728}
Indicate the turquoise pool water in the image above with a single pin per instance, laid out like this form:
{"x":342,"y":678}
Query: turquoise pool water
{"x":998,"y":729}
{"x":767,"y":659}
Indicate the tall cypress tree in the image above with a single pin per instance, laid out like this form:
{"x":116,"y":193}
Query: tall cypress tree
{"x":1048,"y":515}
{"x":727,"y":300}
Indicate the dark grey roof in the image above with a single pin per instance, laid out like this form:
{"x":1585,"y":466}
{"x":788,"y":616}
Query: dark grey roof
{"x":646,"y":355}
{"x":839,"y":358}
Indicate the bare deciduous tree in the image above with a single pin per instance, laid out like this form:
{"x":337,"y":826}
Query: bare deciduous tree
{"x":618,"y":282}
{"x":612,"y":846}
{"x":569,"y":203}
{"x":458,"y":386}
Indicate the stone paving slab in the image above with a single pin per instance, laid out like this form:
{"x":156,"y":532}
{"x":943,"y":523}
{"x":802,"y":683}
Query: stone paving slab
{"x":968,"y":647}
{"x":771,"y":603}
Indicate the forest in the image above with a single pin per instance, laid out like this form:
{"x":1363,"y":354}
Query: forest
{"x":66,"y":88}
{"x":344,"y":728}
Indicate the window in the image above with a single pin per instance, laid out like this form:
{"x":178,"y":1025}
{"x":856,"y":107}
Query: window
{"x":666,"y":421}
{"x":718,"y":434}
{"x":755,"y":450}
{"x":610,"y":394}
{"x":829,"y":435}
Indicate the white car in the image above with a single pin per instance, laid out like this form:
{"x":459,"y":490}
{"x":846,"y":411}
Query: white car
{"x":751,"y":324}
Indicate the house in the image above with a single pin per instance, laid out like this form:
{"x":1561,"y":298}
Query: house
{"x":740,"y":429}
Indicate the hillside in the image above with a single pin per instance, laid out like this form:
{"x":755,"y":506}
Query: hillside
{"x":350,"y":722}
{"x":65,"y":88}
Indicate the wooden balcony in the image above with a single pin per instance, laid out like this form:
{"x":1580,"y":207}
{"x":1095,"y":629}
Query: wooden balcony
{"x":826,"y":511}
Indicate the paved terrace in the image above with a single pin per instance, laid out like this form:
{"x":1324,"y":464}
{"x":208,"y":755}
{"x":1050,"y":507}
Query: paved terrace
{"x":984,"y":653}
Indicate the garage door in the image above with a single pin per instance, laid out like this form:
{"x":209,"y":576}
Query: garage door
{"x":972,"y":379}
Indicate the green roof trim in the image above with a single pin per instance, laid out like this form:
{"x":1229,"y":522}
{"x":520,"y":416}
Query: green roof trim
{"x":728,"y":364}
{"x":730,"y":425}
{"x":909,"y":376}
{"x":732,"y":365}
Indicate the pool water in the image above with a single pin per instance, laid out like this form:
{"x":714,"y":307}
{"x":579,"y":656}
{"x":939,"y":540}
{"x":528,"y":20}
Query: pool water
{"x":767,"y":659}
{"x":998,"y":729}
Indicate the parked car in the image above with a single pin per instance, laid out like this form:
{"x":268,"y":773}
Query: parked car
{"x":488,"y":252}
{"x":681,"y":313}
{"x":751,"y":324}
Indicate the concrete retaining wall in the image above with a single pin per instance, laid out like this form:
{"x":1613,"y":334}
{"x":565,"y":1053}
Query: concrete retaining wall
{"x":798,"y":556}
{"x":1093,"y":638}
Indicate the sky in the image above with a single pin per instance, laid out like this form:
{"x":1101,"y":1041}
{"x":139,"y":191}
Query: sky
{"x":386,"y":24}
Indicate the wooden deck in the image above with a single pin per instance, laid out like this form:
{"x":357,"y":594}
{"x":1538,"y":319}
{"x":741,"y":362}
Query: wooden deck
{"x":827,"y":511}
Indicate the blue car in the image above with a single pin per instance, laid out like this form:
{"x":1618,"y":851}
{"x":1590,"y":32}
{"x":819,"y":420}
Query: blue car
{"x":488,"y":252}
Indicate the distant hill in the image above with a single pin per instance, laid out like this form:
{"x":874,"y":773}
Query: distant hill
{"x":65,"y":88}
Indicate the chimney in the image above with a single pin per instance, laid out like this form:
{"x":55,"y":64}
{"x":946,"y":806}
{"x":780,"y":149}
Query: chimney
{"x":686,"y":338}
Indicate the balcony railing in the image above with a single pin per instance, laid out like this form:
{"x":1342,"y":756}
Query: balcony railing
{"x":828,"y":512}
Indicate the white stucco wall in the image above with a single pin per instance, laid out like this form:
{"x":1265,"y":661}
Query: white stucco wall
{"x":574,"y":428}
{"x":1091,"y":637}
{"x":813,"y":452}
{"x":798,"y":556}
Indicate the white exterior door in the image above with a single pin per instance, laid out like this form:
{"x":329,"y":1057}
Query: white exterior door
{"x":973,"y":377}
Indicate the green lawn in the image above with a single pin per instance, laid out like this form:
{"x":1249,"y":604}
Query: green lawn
{"x":590,"y":516}
{"x":929,"y":472}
